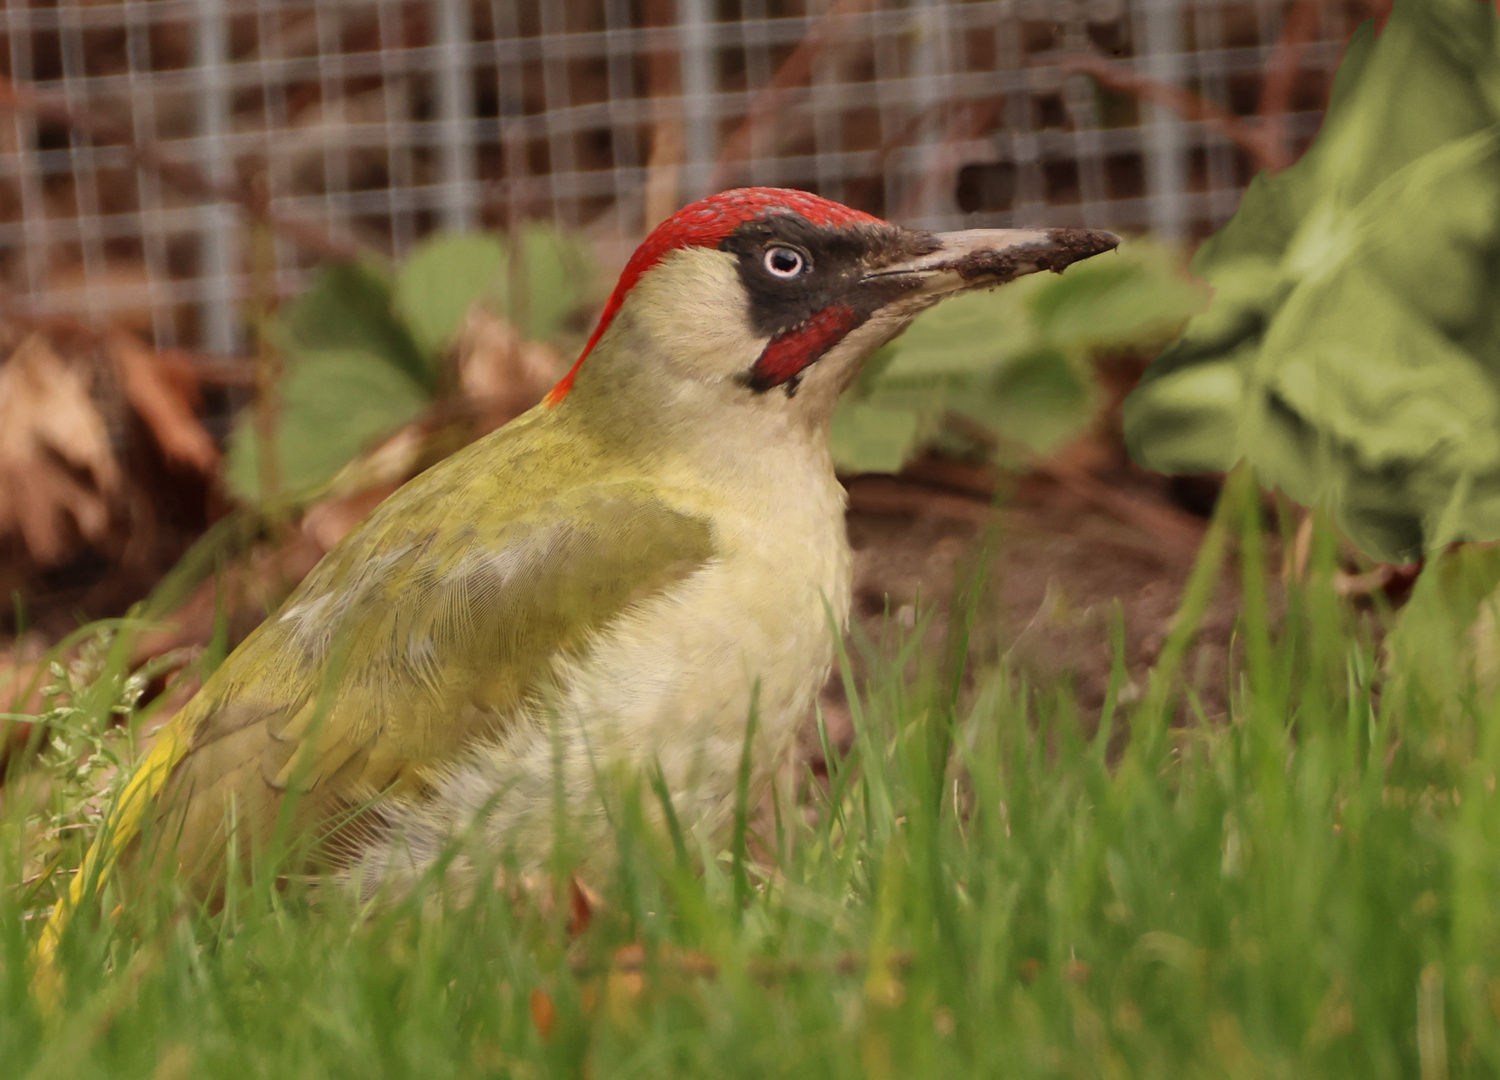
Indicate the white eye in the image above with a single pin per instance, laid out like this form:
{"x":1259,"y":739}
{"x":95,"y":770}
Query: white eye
{"x":785,"y":262}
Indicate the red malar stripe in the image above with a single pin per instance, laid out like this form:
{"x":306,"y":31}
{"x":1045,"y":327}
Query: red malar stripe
{"x":789,"y":354}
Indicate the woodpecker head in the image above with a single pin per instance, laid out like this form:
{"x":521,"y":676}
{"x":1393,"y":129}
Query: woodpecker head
{"x":770,"y":295}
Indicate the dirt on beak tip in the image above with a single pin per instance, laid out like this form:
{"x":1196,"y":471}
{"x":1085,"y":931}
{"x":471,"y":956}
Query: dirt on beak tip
{"x":1059,"y":249}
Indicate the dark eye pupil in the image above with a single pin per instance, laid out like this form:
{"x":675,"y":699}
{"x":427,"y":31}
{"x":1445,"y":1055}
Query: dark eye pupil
{"x":785,"y":262}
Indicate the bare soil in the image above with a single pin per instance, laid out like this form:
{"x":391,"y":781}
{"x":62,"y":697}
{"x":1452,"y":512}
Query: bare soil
{"x":1057,"y":568}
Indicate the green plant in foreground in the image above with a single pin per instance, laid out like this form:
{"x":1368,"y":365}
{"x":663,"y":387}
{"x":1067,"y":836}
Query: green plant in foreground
{"x":1349,"y":350}
{"x":86,"y":744}
{"x":81,"y":749}
{"x":985,"y":885}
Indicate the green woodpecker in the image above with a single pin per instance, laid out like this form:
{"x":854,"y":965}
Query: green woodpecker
{"x":618,"y":576}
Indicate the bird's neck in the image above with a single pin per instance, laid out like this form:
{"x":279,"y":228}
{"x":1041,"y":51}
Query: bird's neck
{"x":637,"y":399}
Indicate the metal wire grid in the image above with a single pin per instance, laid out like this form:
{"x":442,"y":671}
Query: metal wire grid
{"x":389,"y":119}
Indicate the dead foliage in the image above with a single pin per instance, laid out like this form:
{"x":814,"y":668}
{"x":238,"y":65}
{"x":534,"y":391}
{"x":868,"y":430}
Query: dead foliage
{"x":164,"y":392}
{"x":59,"y":478}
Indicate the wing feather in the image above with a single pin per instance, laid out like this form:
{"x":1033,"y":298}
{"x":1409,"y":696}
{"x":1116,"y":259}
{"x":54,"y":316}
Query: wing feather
{"x":405,"y":645}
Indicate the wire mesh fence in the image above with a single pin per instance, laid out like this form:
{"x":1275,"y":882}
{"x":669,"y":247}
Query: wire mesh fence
{"x":383,"y":121}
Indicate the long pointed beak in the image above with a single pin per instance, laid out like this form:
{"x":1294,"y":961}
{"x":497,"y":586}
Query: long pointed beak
{"x":977,"y":258}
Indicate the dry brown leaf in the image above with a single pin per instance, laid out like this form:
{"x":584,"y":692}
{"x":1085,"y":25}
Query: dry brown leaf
{"x":497,"y":366}
{"x":164,"y":403}
{"x":58,"y":474}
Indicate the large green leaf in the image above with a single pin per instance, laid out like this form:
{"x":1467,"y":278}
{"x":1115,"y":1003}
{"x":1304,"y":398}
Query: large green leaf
{"x":1116,"y":302}
{"x":543,"y":292}
{"x":353,"y":373}
{"x":439,"y":281}
{"x":1194,"y":416}
{"x":873,"y":438}
{"x":349,"y":309}
{"x":1356,"y":299}
{"x":559,"y":278}
{"x":1033,"y":403}
{"x":363,"y":353}
{"x":331,"y":406}
{"x":1447,"y":205}
{"x":960,"y":338}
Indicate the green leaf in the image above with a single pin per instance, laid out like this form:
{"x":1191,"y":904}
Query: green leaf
{"x":1354,"y":303}
{"x":349,"y":309}
{"x":1447,"y":204}
{"x":1014,"y":360}
{"x":441,"y":280}
{"x":1409,"y":99}
{"x":873,"y":438}
{"x":1354,"y":360}
{"x":961,"y":337}
{"x":1187,"y":421}
{"x":1247,"y":293}
{"x":543,"y":292}
{"x":558,"y":276}
{"x":1133,"y":299}
{"x":1270,"y":210}
{"x":332,"y":405}
{"x":1037,"y":401}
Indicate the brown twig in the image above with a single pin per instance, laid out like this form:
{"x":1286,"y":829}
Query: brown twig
{"x":792,"y":74}
{"x":1253,"y":137}
{"x":187,"y":178}
{"x":1282,"y":71}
